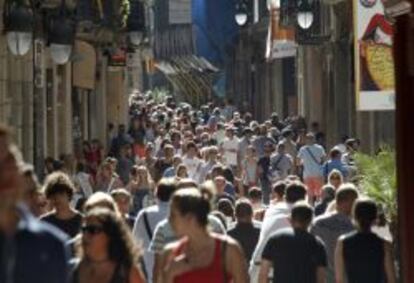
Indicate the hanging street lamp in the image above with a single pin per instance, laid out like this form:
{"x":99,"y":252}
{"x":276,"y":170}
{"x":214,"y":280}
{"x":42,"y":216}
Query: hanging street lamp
{"x":305,"y":14}
{"x":61,"y":36}
{"x":241,"y":15}
{"x":18,"y":22}
{"x":136,"y":23}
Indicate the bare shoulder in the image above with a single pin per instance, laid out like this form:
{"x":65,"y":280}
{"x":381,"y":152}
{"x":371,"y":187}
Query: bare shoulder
{"x":232,"y":245}
{"x":136,"y":275}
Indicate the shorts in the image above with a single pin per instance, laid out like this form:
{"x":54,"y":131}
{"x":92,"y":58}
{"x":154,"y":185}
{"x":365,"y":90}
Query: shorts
{"x":314,"y":185}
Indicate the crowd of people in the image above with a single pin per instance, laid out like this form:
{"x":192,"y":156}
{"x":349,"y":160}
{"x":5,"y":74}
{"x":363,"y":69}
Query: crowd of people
{"x":193,"y":195}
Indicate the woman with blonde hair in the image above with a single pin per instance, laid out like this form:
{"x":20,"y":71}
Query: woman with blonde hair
{"x":141,"y":186}
{"x":107,"y":179}
{"x":335,"y":178}
{"x":107,"y":253}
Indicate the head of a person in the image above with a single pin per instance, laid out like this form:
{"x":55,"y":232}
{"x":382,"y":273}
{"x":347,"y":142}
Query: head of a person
{"x":59,"y":190}
{"x":263,"y":130}
{"x":175,"y":137}
{"x":328,"y":193}
{"x":168,"y":151}
{"x":345,"y":198}
{"x":182,"y":171}
{"x":86,"y":146}
{"x":229,"y":132}
{"x":192,"y":149}
{"x":287,"y":134}
{"x":244,"y":211}
{"x":220,"y":184}
{"x":301,"y":215}
{"x":189,"y":211}
{"x":108,"y":167}
{"x":251,"y":151}
{"x":104,"y":232}
{"x":177,"y":160}
{"x":122,"y":199}
{"x":350,"y":145}
{"x":310,"y":138}
{"x":335,"y":154}
{"x":365,"y":214}
{"x":149,"y":150}
{"x":101,"y":200}
{"x":213,"y":153}
{"x":226,"y":207}
{"x":295,"y":191}
{"x":274,"y":118}
{"x":217,"y":170}
{"x":247,"y":132}
{"x":268,"y":148}
{"x":335,"y":178}
{"x":281,"y":148}
{"x":165,"y":189}
{"x":11,"y":179}
{"x":278,"y":191}
{"x":255,"y":195}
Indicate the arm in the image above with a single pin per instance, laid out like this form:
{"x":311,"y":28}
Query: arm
{"x":339,"y":262}
{"x":135,"y":276}
{"x":157,"y":270}
{"x":264,"y":271}
{"x":389,"y":263}
{"x":236,"y":265}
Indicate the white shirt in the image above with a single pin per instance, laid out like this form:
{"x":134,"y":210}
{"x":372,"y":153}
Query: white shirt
{"x":155,"y":214}
{"x":193,"y":167}
{"x":311,"y":167}
{"x":276,"y":218}
{"x":230,"y":148}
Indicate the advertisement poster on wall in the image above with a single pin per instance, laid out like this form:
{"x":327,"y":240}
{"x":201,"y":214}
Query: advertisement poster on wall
{"x":374,"y":62}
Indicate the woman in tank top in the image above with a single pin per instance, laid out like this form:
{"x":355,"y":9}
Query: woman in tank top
{"x":107,"y":251}
{"x":199,"y":256}
{"x":362,"y":256}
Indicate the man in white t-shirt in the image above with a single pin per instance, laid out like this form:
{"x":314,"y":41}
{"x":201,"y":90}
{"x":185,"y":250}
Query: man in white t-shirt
{"x":192,"y":162}
{"x":312,"y":156}
{"x":276,"y":218}
{"x":229,"y":148}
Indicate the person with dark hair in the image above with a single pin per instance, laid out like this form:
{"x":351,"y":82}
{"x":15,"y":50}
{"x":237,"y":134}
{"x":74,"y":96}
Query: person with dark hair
{"x":278,"y":192}
{"x":362,"y":256}
{"x":275,"y":219}
{"x":199,"y":256}
{"x":330,"y":226}
{"x":294,"y":253}
{"x":59,"y":190}
{"x":31,"y":250}
{"x":334,"y":163}
{"x":192,"y":162}
{"x":328,"y":195}
{"x":148,"y":219}
{"x":246,"y":231}
{"x":226,"y":207}
{"x":107,"y":252}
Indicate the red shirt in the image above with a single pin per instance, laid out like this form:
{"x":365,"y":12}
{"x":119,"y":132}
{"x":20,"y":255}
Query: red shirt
{"x":213,"y":273}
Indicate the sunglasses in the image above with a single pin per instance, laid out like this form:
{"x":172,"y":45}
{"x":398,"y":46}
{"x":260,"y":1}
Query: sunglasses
{"x":91,"y":229}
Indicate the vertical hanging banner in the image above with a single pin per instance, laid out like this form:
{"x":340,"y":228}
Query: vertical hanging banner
{"x":280,"y":40}
{"x":374,"y":62}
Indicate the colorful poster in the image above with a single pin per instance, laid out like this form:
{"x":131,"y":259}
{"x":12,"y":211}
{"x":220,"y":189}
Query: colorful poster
{"x":374,"y":62}
{"x":280,"y":41}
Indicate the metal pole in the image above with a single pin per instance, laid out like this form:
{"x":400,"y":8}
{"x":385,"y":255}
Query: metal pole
{"x":39,"y":106}
{"x":404,"y":68}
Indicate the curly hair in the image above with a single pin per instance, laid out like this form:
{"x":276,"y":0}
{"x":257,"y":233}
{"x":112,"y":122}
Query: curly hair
{"x":122,"y":248}
{"x":57,"y":183}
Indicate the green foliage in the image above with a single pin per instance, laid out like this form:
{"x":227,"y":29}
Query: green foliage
{"x":378,"y":179}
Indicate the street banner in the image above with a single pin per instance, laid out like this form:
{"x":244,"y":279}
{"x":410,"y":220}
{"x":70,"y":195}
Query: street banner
{"x":374,"y":62}
{"x":280,"y":41}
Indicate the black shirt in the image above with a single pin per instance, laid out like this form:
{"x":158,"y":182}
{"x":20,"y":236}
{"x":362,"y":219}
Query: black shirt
{"x":247,"y":235}
{"x":70,"y":226}
{"x":364,"y":258}
{"x":264,"y":163}
{"x":295,"y":255}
